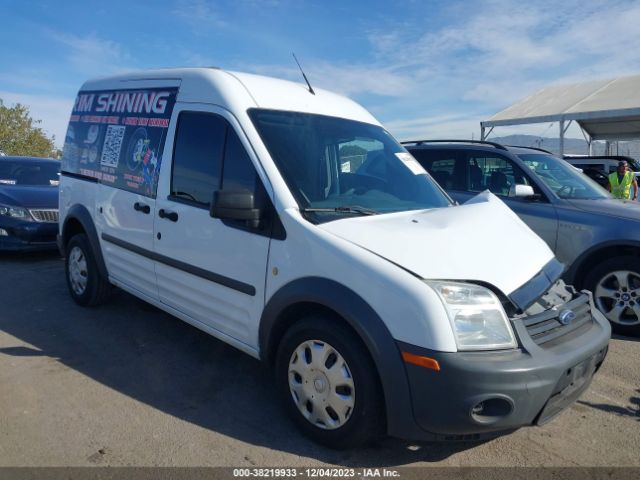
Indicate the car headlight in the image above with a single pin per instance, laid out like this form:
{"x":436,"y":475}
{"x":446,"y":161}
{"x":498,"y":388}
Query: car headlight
{"x":479,"y":322}
{"x":15,"y":212}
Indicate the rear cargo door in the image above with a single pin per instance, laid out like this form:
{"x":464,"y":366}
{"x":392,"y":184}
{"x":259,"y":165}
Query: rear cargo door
{"x":120,"y":142}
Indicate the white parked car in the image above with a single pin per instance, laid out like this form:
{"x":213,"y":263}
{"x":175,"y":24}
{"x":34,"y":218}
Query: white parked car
{"x":291,"y":225}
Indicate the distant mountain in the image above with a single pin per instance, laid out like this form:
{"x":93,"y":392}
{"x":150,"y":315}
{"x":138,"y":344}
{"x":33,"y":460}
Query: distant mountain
{"x":572,"y":146}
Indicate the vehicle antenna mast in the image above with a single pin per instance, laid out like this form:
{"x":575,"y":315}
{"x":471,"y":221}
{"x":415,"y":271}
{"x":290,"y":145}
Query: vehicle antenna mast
{"x":303,"y":75}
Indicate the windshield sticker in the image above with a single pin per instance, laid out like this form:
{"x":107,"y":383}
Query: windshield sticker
{"x":411,"y":163}
{"x":118,"y":137}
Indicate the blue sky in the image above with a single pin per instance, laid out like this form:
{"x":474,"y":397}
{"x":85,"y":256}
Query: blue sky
{"x":425,"y":69}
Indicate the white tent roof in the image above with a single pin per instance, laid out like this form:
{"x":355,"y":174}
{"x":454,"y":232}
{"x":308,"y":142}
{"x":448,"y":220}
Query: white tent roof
{"x":605,"y":109}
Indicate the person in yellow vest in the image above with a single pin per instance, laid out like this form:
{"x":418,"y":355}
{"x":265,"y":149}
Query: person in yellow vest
{"x":621,"y":181}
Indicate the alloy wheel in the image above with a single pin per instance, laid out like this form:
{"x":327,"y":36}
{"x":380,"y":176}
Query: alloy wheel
{"x":617,"y":295}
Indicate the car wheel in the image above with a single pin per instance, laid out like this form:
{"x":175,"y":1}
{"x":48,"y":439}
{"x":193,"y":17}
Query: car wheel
{"x":615,"y":284}
{"x":86,"y":286}
{"x":329,"y":384}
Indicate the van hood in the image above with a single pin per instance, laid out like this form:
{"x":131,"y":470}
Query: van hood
{"x":609,"y":206}
{"x":481,"y":240}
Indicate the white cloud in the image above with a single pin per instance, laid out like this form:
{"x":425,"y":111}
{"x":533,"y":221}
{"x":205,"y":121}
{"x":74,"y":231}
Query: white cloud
{"x":53,"y":111}
{"x":199,"y":14}
{"x":437,"y":126}
{"x":358,"y":79}
{"x":195,"y":59}
{"x":495,"y":53}
{"x":93,"y":56}
{"x":34,"y":78}
{"x":343,"y":79}
{"x":509,"y":40}
{"x":475,"y":60}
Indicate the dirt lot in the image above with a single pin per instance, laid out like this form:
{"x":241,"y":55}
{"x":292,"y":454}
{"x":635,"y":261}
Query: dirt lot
{"x":126,"y":384}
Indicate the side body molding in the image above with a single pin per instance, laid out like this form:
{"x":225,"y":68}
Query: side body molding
{"x":366,"y":323}
{"x":80,"y":214}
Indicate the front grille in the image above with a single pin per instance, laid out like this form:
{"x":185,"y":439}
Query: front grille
{"x":546,"y":328}
{"x":49,"y":216}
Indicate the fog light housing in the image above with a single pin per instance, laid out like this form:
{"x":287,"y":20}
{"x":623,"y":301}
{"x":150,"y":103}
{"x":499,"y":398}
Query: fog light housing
{"x":3,"y":233}
{"x":491,"y":410}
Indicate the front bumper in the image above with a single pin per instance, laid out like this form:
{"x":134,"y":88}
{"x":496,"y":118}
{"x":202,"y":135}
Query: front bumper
{"x":26,"y":236}
{"x":481,"y":394}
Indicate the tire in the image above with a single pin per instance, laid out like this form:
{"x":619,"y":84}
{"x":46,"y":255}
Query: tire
{"x":87,"y":287}
{"x":615,"y":284}
{"x":346,"y":403}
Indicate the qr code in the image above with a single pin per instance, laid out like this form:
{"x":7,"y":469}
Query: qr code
{"x":112,"y":146}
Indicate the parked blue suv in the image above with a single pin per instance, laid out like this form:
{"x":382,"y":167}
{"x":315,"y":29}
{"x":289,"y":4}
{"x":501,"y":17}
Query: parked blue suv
{"x":596,"y":236}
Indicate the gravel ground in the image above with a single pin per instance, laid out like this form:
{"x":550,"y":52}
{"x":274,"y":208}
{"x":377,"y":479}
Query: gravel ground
{"x":128,"y":385}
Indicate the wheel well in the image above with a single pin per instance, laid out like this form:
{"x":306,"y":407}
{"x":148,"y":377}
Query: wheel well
{"x":71,"y":227}
{"x":599,"y":256}
{"x":293,"y":313}
{"x":288,"y":317}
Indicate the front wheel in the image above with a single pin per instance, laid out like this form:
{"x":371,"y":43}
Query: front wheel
{"x":615,"y":284}
{"x":329,"y":384}
{"x":86,"y":286}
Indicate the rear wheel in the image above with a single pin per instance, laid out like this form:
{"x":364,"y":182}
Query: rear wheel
{"x":615,"y":284}
{"x":86,"y":286}
{"x":329,"y":384}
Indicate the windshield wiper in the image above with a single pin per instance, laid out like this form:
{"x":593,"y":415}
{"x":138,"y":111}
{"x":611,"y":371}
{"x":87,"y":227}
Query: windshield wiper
{"x":343,"y":209}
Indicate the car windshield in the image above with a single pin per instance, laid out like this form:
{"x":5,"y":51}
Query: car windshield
{"x":565,"y":180}
{"x":336,"y":167}
{"x":634,"y":165}
{"x":29,"y":173}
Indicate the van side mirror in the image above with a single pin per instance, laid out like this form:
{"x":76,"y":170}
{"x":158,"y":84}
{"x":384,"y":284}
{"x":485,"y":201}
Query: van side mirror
{"x":236,"y":205}
{"x":521,"y":191}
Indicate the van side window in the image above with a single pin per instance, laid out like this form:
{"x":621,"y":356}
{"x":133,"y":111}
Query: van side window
{"x":197,"y":157}
{"x":238,"y":171}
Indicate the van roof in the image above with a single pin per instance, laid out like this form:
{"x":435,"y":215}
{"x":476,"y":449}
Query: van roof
{"x":237,"y":91}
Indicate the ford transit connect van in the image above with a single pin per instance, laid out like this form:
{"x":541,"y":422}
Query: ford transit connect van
{"x":290,"y":224}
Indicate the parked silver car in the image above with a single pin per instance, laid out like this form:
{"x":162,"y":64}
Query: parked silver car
{"x":596,"y":236}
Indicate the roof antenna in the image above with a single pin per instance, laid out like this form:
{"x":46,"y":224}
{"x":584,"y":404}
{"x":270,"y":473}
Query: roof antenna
{"x":305,"y":77}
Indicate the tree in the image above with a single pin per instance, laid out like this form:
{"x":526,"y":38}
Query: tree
{"x":20,"y":135}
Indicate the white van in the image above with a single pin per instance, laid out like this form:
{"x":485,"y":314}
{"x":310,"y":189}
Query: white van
{"x":290,"y":224}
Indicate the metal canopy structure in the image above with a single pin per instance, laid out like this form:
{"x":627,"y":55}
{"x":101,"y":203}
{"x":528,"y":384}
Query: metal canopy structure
{"x":604,"y":109}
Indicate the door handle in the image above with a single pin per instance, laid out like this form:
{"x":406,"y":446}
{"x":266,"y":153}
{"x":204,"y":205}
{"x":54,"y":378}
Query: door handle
{"x":141,"y":207}
{"x":173,"y":216}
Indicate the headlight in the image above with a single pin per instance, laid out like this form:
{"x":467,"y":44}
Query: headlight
{"x":479,"y":322}
{"x":15,"y":212}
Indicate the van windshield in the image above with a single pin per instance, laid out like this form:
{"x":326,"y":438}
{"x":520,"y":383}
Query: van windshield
{"x":336,"y":167}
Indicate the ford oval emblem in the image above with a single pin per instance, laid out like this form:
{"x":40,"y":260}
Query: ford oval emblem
{"x":566,"y":317}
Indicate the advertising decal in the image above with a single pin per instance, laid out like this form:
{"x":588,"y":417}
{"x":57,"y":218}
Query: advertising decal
{"x":117,"y":137}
